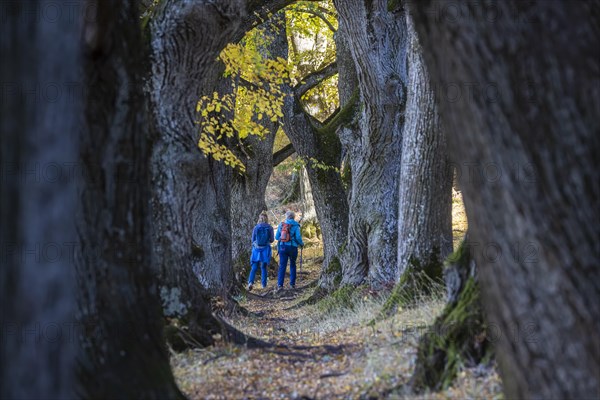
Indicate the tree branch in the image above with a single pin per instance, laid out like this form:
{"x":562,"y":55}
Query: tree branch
{"x":314,"y":78}
{"x":259,"y":11}
{"x":343,"y":116}
{"x":282,"y":154}
{"x":320,"y":15}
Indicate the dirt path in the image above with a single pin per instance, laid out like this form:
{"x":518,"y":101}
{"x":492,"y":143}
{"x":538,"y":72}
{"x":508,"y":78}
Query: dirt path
{"x":302,"y":363}
{"x":335,"y":355}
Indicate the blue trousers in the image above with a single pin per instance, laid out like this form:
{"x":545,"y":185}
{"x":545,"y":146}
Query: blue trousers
{"x":287,"y":252}
{"x":263,"y":273}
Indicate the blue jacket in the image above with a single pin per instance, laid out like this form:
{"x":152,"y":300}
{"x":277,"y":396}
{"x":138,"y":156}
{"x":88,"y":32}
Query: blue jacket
{"x":260,"y":226}
{"x":261,"y":254}
{"x":295,"y":234}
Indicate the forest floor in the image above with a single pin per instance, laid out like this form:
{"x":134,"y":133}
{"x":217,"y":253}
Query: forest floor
{"x":323,"y":351}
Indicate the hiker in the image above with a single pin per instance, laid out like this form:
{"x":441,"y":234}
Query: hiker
{"x":262,"y":237}
{"x":289,"y":237}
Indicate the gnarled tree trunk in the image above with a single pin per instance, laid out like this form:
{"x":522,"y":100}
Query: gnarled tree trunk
{"x":124,"y":352}
{"x":525,"y":132}
{"x":322,"y":144}
{"x":191,"y":193}
{"x":377,"y":42}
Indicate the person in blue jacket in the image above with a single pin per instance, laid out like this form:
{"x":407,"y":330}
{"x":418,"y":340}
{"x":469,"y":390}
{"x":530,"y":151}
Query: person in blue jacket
{"x":262,"y":237}
{"x":289,"y":237}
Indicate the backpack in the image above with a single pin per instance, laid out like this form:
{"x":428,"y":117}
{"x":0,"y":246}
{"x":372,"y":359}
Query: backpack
{"x":285,"y":235}
{"x":262,"y":236}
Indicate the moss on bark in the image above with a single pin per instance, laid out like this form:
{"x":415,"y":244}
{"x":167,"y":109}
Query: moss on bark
{"x":415,"y":283}
{"x":457,"y":338}
{"x":342,"y":298}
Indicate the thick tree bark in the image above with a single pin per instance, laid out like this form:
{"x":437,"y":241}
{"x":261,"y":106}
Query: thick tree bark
{"x":321,"y":144}
{"x":377,"y":42}
{"x":326,"y":185}
{"x":348,"y":95}
{"x":526,"y":126}
{"x":307,"y":202}
{"x":191,"y":193}
{"x":39,"y":151}
{"x":459,"y":336}
{"x":124,"y":353}
{"x":187,"y":184}
{"x":425,"y":211}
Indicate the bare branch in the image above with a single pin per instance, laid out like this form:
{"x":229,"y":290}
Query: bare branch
{"x":281,"y":155}
{"x":314,"y":79}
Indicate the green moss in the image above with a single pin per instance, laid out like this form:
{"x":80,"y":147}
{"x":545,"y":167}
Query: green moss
{"x":333,"y":272}
{"x":417,"y":281}
{"x":393,"y":4}
{"x":311,"y":229}
{"x":335,"y":268}
{"x":346,"y":176}
{"x":458,"y":337}
{"x":460,"y":256}
{"x":339,"y":299}
{"x":330,"y":148}
{"x":343,"y":117}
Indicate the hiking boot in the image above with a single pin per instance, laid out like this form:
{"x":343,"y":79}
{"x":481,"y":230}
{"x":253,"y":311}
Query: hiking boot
{"x":292,"y":287}
{"x":249,"y":287}
{"x":278,"y":289}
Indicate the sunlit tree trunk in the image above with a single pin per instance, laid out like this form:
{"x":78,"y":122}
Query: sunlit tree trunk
{"x":307,"y":201}
{"x":524,"y":135}
{"x":124,"y":353}
{"x":425,"y":213}
{"x":38,"y":148}
{"x":377,"y":43}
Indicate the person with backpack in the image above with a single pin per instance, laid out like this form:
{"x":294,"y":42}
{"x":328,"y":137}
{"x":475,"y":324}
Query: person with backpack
{"x":262,"y":237}
{"x":289,"y":237}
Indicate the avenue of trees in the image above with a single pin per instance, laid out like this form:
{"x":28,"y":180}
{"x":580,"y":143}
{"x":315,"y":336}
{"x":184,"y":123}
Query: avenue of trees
{"x":151,"y":230}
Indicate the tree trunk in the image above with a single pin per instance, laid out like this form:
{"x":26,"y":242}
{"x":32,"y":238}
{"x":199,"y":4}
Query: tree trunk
{"x":377,"y":42}
{"x":459,"y":337}
{"x":191,"y":193}
{"x":39,"y":151}
{"x":425,"y":214}
{"x":526,"y":133}
{"x":348,"y":94}
{"x":321,"y":144}
{"x":124,"y":353}
{"x":307,"y":207}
